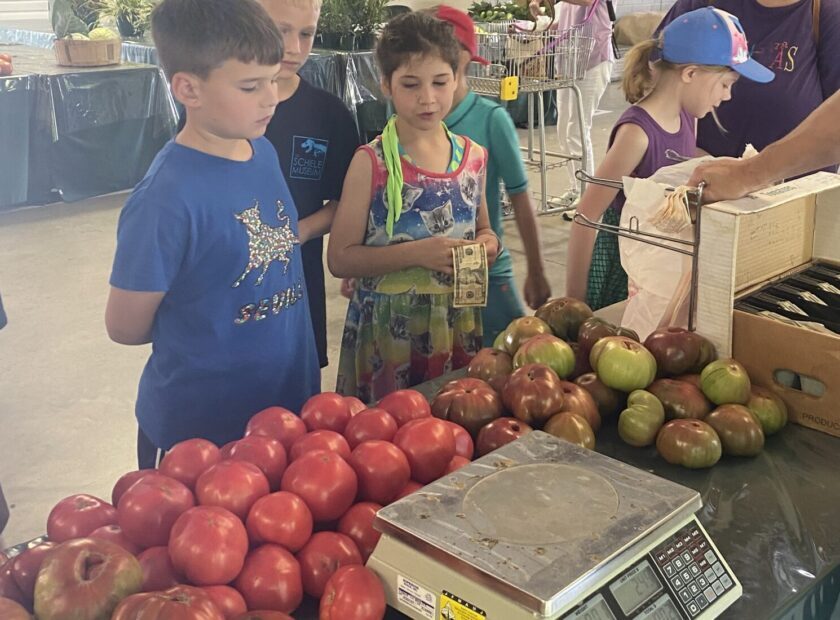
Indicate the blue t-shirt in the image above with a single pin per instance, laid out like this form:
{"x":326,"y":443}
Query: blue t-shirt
{"x":489,"y":124}
{"x":232,"y":334}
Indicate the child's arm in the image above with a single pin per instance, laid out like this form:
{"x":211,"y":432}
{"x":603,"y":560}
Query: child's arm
{"x":129,"y":315}
{"x":624,"y":156}
{"x":349,"y":257}
{"x":537,"y":289}
{"x":318,"y":224}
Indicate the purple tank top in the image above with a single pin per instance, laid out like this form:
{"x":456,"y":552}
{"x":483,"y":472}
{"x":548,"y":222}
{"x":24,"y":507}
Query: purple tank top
{"x":683,"y":143}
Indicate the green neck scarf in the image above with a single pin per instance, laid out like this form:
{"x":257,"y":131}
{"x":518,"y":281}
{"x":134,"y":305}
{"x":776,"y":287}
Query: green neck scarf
{"x":394,"y":183}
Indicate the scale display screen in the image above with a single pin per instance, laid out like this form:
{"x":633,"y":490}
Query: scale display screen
{"x":595,"y":608}
{"x":662,"y":609}
{"x":635,"y":587}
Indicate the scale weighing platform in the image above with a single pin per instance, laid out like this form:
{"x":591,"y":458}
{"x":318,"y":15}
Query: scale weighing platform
{"x":544,"y":529}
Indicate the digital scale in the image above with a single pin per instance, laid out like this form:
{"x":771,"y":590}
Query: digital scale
{"x":544,"y":529}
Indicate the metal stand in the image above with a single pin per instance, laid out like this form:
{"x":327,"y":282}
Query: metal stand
{"x":692,"y":248}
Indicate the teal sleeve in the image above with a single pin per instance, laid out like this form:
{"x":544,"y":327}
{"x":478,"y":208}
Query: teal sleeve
{"x":504,"y":150}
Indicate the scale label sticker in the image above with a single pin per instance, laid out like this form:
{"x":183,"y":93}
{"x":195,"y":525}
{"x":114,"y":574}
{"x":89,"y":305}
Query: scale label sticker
{"x":416,"y":597}
{"x":454,"y":608}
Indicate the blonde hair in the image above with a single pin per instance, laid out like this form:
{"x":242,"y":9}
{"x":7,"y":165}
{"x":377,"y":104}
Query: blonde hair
{"x":640,"y":73}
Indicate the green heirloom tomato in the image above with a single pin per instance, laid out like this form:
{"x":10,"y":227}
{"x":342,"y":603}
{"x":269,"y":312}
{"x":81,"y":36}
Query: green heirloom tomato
{"x":739,"y":430}
{"x":690,"y":443}
{"x":641,"y":421}
{"x":521,"y":329}
{"x":725,"y":381}
{"x":770,"y":410}
{"x":549,"y":350}
{"x":499,"y":342}
{"x":622,"y":363}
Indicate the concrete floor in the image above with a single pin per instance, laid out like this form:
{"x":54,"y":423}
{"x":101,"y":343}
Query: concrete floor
{"x":67,"y":392}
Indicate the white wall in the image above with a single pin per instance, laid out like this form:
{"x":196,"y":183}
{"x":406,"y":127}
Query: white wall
{"x":24,"y":13}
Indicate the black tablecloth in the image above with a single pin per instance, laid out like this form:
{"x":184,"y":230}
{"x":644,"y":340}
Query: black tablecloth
{"x":68,"y":133}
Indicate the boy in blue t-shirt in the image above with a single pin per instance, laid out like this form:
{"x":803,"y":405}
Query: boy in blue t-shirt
{"x":489,"y":124}
{"x":315,"y":137}
{"x":208,"y":263}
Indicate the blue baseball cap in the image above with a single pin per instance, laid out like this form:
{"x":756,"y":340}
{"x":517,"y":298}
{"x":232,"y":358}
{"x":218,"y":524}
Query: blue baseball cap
{"x":709,"y":36}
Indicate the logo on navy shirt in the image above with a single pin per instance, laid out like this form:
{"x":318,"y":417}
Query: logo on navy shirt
{"x":308,"y":157}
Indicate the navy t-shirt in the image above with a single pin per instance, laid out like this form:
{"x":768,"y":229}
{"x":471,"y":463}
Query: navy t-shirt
{"x":807,"y":72}
{"x":232,"y":334}
{"x":315,"y":137}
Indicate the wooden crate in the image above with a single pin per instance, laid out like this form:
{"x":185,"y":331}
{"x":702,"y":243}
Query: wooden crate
{"x":72,"y":53}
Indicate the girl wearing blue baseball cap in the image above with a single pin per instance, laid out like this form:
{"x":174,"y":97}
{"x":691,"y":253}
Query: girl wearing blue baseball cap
{"x":671,"y":81}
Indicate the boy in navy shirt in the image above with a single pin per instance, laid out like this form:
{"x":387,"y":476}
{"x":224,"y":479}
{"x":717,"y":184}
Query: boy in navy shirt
{"x":208,"y":262}
{"x":315,"y":137}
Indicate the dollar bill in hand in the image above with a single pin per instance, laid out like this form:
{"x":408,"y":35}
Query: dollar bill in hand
{"x":470,"y":262}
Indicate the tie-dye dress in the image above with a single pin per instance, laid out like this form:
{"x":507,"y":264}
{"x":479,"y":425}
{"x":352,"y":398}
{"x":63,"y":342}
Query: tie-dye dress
{"x":401,"y":328}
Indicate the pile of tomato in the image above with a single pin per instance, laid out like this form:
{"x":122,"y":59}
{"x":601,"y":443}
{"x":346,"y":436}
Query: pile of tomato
{"x":246,"y":530}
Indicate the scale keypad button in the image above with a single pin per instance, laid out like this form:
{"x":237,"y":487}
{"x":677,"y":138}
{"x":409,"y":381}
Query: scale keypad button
{"x":726,"y":581}
{"x":677,"y":582}
{"x":718,"y":568}
{"x":695,"y":570}
{"x":694,"y":589}
{"x":679,"y":545}
{"x":679,"y":564}
{"x":685,"y":595}
{"x":710,"y":555}
{"x":695,"y":551}
{"x":703,"y":563}
{"x":701,"y":600}
{"x":695,"y":533}
{"x":686,"y":538}
{"x":710,"y":575}
{"x":693,"y":608}
{"x":670,"y":571}
{"x":686,"y":575}
{"x":710,"y":594}
{"x":687,"y":557}
{"x":670,"y":551}
{"x":717,"y":586}
{"x":703,"y":544}
{"x":661,"y":558}
{"x":702,"y":582}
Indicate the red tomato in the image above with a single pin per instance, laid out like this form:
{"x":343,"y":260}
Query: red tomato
{"x":77,"y":516}
{"x":320,"y":440}
{"x":382,"y":469}
{"x":115,"y":534}
{"x":464,"y":445}
{"x":25,"y":567}
{"x":263,"y":614}
{"x":353,"y":593}
{"x":158,"y":572}
{"x":208,"y":544}
{"x":224,"y":451}
{"x":324,"y":554}
{"x":178,"y":603}
{"x":187,"y":460}
{"x":429,"y":446}
{"x":324,"y":481}
{"x":228,"y":600}
{"x":281,"y":518}
{"x":357,"y":524}
{"x":266,"y":453}
{"x":456,"y":463}
{"x":148,"y":509}
{"x":278,"y":423}
{"x":406,"y":405}
{"x":326,"y":411}
{"x":408,"y":489}
{"x":8,"y":586}
{"x":126,"y":481}
{"x":271,"y":579}
{"x":370,"y":424}
{"x":356,"y":406}
{"x":233,"y":485}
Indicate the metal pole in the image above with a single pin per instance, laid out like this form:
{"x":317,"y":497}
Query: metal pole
{"x":543,"y":166}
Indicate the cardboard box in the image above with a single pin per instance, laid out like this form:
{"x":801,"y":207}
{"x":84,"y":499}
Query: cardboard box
{"x":744,"y":244}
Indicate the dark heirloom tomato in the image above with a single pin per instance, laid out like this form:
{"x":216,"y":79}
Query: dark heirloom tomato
{"x":679,"y":351}
{"x":680,"y":399}
{"x":470,"y":403}
{"x":492,"y":366}
{"x":176,"y":603}
{"x":564,"y":316}
{"x":498,"y":433}
{"x":580,"y":402}
{"x":594,"y":328}
{"x":610,"y":402}
{"x":533,"y":394}
{"x":690,"y":443}
{"x":25,"y":567}
{"x":573,"y":428}
{"x":739,"y":430}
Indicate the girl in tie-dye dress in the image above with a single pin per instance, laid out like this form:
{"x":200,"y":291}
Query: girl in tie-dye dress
{"x":410,"y":196}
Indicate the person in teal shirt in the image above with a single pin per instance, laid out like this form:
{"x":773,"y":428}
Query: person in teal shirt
{"x":489,"y":124}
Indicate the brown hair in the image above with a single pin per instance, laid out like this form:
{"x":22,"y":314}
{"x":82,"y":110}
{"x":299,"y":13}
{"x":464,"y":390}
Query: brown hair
{"x":197,"y":36}
{"x":640,"y":77}
{"x":415,"y":34}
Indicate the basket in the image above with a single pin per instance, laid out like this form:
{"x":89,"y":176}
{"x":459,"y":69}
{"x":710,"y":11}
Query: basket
{"x":72,"y":53}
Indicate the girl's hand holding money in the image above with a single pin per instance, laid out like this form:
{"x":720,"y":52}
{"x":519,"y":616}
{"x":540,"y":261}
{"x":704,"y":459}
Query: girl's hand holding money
{"x":435,"y":253}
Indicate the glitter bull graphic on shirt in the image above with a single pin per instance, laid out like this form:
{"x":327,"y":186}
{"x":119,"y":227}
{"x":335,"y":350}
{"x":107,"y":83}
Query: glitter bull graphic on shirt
{"x":266,"y":244}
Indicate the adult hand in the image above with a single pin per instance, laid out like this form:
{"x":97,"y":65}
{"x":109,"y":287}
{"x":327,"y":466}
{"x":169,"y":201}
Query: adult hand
{"x":726,"y":179}
{"x":537,"y":290}
{"x":534,"y":8}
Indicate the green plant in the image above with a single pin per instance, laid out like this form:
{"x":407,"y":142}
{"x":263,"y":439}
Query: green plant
{"x":334,"y":17}
{"x":365,"y":15}
{"x":135,"y":14}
